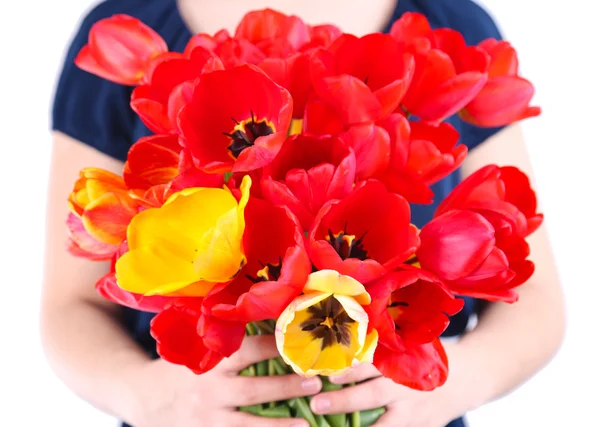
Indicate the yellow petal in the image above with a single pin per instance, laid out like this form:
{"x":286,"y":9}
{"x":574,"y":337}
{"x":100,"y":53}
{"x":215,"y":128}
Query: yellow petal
{"x":337,"y":358}
{"x":153,"y":271}
{"x":368,"y":350}
{"x":332,"y":282}
{"x":187,"y":245}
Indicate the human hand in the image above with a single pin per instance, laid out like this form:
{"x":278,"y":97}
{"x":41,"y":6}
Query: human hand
{"x":405,"y":407}
{"x":171,"y":395}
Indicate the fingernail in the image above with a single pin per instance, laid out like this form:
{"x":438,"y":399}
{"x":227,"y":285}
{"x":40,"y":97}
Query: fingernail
{"x":320,"y":404}
{"x":311,"y":384}
{"x":339,"y":379}
{"x":299,"y":424}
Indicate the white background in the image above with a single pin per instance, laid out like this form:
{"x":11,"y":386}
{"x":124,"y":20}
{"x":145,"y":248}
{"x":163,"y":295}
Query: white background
{"x":557,"y":52}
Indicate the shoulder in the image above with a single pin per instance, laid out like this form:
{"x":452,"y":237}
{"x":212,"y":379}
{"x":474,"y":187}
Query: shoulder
{"x":472,"y":20}
{"x":93,"y":110}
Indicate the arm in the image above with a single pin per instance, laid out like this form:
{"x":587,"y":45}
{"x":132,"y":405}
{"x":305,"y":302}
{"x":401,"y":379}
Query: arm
{"x":534,"y":327}
{"x":91,"y":352}
{"x":531,"y":331}
{"x":81,"y":333}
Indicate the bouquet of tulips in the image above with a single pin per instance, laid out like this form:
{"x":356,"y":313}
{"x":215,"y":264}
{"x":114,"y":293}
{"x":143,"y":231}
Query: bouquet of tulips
{"x":274,"y":195}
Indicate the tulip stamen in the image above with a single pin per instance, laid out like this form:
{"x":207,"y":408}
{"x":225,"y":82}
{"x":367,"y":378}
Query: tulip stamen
{"x":269,"y":272}
{"x":347,"y":245}
{"x":245,"y":133}
{"x":329,"y":322}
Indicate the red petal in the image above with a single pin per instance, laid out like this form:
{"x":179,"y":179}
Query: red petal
{"x":502,"y":101}
{"x":421,"y":367}
{"x":107,"y":287}
{"x":123,"y":47}
{"x":504,"y":61}
{"x":177,"y":339}
{"x":152,"y":160}
{"x":239,"y":94}
{"x":351,"y":99}
{"x":81,"y":244}
{"x":371,"y":145}
{"x":455,"y":244}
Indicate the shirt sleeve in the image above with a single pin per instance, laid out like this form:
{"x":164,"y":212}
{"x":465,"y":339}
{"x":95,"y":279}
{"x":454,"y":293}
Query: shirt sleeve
{"x":88,"y":108}
{"x":476,"y":25}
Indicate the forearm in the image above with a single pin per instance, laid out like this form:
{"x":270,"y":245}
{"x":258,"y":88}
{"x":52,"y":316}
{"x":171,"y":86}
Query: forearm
{"x":511,"y":342}
{"x":89,"y":350}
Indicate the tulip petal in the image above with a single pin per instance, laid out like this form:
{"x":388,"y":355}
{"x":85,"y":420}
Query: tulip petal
{"x":455,"y":244}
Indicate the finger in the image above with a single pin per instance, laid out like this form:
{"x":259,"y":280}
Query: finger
{"x":254,"y":349}
{"x":369,"y":395}
{"x":254,"y":390}
{"x":362,"y":372}
{"x":240,"y":419}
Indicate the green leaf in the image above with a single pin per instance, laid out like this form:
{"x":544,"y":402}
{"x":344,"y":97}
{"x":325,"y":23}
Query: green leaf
{"x":370,"y":417}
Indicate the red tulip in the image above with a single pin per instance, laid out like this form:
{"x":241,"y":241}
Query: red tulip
{"x":275,"y":34}
{"x":157,"y":166}
{"x":448,"y":73}
{"x":418,"y":366}
{"x":158,"y":103}
{"x":231,"y":51}
{"x":463,"y":249}
{"x":362,"y":79}
{"x":421,"y":155}
{"x":292,"y":73}
{"x":409,"y":309}
{"x":369,"y":141}
{"x":151,"y":161}
{"x":321,"y":36}
{"x":186,"y":335}
{"x":364,"y":235}
{"x":410,"y":305}
{"x":277,"y":267}
{"x":505,"y":97}
{"x":308,"y":172}
{"x":121,"y":49}
{"x":503,"y":195}
{"x":236,"y":121}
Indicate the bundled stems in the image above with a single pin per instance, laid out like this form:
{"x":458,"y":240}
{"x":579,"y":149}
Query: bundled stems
{"x":300,"y":406}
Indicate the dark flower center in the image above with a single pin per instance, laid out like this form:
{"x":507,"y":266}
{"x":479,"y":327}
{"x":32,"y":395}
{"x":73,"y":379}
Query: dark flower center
{"x":347,"y":245}
{"x":330,"y":322}
{"x":269,"y":272}
{"x":245,"y":133}
{"x":396,"y":309}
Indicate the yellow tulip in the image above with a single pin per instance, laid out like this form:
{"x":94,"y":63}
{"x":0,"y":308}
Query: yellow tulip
{"x":186,"y":246}
{"x":324,"y":331}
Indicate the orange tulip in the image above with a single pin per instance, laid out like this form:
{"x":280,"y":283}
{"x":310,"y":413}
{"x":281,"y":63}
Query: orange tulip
{"x":102,"y":202}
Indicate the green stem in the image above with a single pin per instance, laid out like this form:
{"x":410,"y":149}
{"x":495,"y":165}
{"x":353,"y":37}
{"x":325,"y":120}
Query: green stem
{"x":252,"y":409}
{"x":303,"y":410}
{"x":370,"y":417}
{"x":355,"y":416}
{"x":281,"y":411}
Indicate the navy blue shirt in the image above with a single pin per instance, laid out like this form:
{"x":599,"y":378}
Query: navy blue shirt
{"x":97,"y":113}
